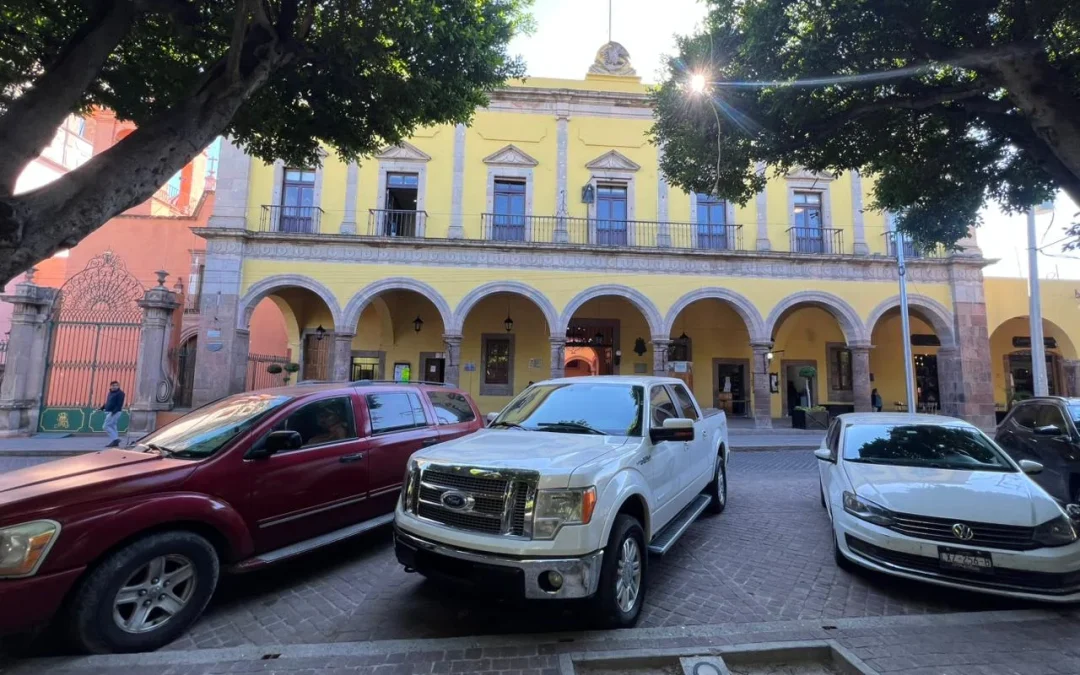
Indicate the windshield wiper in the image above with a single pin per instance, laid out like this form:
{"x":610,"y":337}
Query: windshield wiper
{"x":161,"y":450}
{"x":573,"y":427}
{"x":511,"y":425}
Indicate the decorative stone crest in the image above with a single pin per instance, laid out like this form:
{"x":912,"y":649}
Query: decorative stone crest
{"x":613,"y":160}
{"x":612,"y":59}
{"x":511,"y":155}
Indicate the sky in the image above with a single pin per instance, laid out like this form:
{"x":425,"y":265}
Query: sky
{"x":568,"y":33}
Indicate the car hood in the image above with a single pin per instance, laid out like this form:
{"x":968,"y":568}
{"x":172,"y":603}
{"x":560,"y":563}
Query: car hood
{"x":553,"y":455}
{"x":93,"y":476}
{"x":974,"y":496}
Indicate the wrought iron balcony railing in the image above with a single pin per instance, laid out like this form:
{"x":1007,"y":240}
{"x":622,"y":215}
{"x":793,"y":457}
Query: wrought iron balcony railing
{"x":819,"y":240}
{"x":396,"y":223}
{"x":610,"y":233}
{"x":911,"y":250}
{"x":290,"y":219}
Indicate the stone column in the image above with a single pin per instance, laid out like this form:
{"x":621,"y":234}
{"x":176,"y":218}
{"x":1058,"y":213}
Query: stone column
{"x":341,"y":365}
{"x":860,"y":376}
{"x":562,"y":144}
{"x":659,"y":355}
{"x":1072,"y":377}
{"x":558,"y":357}
{"x":352,"y":179}
{"x":153,"y":388}
{"x":457,"y":187}
{"x":663,"y":234}
{"x":452,"y":373}
{"x":761,"y":202}
{"x":964,"y":375}
{"x":759,"y":371}
{"x":28,"y":349}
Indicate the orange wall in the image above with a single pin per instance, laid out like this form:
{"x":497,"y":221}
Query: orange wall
{"x":268,"y":333}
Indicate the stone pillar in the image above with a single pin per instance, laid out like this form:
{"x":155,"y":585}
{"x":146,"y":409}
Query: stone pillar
{"x":659,"y":355}
{"x":153,"y":389}
{"x":663,"y":234}
{"x":28,"y":349}
{"x":860,"y":376}
{"x":452,"y":373}
{"x":1072,"y":377}
{"x":761,"y":203}
{"x":860,"y":247}
{"x":964,"y":374}
{"x":562,"y":144}
{"x":558,"y":357}
{"x":457,"y":187}
{"x":352,"y":179}
{"x":759,"y":371}
{"x":341,"y":365}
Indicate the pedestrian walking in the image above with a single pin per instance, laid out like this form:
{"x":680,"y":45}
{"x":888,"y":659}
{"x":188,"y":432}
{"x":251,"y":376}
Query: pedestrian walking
{"x":114,"y":405}
{"x":875,"y":401}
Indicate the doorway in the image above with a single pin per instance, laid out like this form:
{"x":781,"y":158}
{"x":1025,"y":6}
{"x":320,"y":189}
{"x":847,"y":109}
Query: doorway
{"x":1021,"y":381}
{"x":402,"y":198}
{"x":729,"y":386}
{"x":434,"y":368}
{"x":795,"y":385}
{"x":926,"y":382}
{"x":594,"y":340}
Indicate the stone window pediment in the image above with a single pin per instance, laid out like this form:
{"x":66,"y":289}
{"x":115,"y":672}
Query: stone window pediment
{"x":801,"y":173}
{"x":511,"y":155}
{"x":404,"y":152}
{"x":613,"y":160}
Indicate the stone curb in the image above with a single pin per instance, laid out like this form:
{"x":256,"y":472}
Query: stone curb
{"x":821,"y":630}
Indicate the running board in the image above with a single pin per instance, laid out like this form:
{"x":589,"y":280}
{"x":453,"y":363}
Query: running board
{"x":666,"y":538}
{"x":302,"y":547}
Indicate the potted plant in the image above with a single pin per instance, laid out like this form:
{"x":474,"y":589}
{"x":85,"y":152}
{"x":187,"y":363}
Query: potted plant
{"x":290,"y":368}
{"x":274,"y":369}
{"x":810,"y":417}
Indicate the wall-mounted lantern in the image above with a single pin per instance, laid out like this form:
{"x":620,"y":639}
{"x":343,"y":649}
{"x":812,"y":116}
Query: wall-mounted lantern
{"x":417,"y":323}
{"x":588,"y":193}
{"x":320,"y":333}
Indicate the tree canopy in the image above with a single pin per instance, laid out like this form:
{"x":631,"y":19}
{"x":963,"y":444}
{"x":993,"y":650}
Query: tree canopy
{"x":278,"y":76}
{"x":945,"y":103}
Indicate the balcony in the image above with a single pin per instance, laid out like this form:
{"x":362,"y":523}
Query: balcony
{"x":290,"y":219}
{"x":912,"y":251}
{"x":816,"y":240}
{"x":623,"y":234}
{"x":394,"y":223}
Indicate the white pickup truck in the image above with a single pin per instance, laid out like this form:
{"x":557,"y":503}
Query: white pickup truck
{"x":565,"y":491}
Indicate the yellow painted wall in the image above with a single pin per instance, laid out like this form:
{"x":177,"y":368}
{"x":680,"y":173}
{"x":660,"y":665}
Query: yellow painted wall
{"x":716,"y":331}
{"x":803,"y":336}
{"x":887,"y":357}
{"x":388,"y":327}
{"x":591,"y":137}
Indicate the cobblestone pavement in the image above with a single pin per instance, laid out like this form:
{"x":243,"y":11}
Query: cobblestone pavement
{"x":767,"y":557}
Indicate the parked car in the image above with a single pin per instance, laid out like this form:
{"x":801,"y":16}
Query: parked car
{"x":1045,"y":430}
{"x":130,"y":543}
{"x":561,"y":498}
{"x":933,"y":498}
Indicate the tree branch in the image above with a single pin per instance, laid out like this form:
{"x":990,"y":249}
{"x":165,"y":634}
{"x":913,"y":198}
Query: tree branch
{"x":31,"y":120}
{"x":236,"y":43}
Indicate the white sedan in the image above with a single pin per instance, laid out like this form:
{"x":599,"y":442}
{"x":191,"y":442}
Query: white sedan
{"x":933,"y":498}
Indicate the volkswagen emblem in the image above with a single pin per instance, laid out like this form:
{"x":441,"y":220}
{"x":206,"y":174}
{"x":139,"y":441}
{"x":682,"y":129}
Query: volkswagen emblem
{"x":457,"y":501}
{"x":962,"y":532}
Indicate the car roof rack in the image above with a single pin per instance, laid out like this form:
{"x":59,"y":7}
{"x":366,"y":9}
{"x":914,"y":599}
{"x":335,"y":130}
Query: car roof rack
{"x":364,"y":383}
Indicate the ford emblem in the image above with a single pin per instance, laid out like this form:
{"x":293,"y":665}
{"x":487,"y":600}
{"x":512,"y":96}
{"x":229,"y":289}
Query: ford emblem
{"x":457,"y":501}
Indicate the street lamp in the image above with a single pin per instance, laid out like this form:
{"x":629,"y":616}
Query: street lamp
{"x":509,"y":323}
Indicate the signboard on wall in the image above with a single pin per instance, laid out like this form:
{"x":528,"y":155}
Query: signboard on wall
{"x":1024,"y":342}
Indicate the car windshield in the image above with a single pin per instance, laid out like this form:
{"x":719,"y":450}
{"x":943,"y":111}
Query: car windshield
{"x":583,"y":408}
{"x":924,"y":445}
{"x":203,"y":432}
{"x":1074,"y":412}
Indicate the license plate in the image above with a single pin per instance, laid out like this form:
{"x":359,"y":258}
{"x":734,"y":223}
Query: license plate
{"x":965,"y":560}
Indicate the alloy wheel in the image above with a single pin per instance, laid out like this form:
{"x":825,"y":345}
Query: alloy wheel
{"x":628,"y":575}
{"x":154,"y":594}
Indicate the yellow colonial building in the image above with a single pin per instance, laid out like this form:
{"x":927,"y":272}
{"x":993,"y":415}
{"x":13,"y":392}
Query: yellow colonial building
{"x":542,"y":239}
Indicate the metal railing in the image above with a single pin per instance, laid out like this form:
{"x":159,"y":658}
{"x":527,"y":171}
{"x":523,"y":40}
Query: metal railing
{"x":290,"y":219}
{"x":911,"y":250}
{"x":609,"y":233}
{"x":820,"y":240}
{"x":396,"y":223}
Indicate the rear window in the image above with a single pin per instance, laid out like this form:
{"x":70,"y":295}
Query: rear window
{"x":395,"y":411}
{"x":923,"y":445}
{"x":451,"y":407}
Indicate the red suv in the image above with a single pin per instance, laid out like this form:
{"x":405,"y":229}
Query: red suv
{"x":128,"y":544}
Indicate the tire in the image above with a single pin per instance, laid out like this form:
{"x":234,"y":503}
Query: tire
{"x":821,"y":489}
{"x":626,"y":535}
{"x":717,"y":489}
{"x":183,"y":560}
{"x":841,"y":561}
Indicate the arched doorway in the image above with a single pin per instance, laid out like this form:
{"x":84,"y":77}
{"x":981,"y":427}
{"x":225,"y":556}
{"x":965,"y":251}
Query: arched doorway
{"x":618,"y":325}
{"x":1010,"y":354}
{"x":399,"y":336}
{"x":581,"y":362}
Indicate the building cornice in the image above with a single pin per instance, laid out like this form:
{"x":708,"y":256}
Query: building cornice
{"x":468,"y":253}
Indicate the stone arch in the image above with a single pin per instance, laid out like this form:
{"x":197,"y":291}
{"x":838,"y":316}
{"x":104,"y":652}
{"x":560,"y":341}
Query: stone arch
{"x":636,"y":298}
{"x":850,"y":323}
{"x":269,"y":285}
{"x":755,"y":325}
{"x":933,"y":312}
{"x":351,"y":315}
{"x":1065,"y":345}
{"x":551,"y":315}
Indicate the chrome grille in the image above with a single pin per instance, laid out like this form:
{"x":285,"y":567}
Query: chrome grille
{"x":1007,"y":537}
{"x":502,"y":501}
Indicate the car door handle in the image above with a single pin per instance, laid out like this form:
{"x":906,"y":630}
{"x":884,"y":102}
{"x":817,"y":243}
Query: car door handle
{"x":428,"y":442}
{"x":345,"y":459}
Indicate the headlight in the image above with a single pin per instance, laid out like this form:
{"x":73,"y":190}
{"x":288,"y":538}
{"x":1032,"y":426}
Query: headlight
{"x":23,"y":547}
{"x":867,"y":510}
{"x":555,"y":508}
{"x":1057,"y":532}
{"x":410,"y":487}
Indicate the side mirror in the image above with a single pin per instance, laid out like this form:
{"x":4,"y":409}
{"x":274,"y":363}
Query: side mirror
{"x":277,"y":441}
{"x":824,"y":454}
{"x":1048,"y":430}
{"x":1029,"y":467}
{"x":674,"y":429}
{"x":491,"y":417}
{"x":1073,"y":511}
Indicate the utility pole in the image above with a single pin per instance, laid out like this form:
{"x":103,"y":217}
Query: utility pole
{"x":1038,"y":347}
{"x":909,"y":375}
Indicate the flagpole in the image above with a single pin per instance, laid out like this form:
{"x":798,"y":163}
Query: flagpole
{"x":609,"y":20}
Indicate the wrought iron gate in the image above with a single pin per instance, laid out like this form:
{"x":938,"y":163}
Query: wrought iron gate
{"x":185,"y":373}
{"x":95,"y":329}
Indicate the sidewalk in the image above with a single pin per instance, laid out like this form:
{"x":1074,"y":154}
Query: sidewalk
{"x":51,"y":446}
{"x":748,"y":440}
